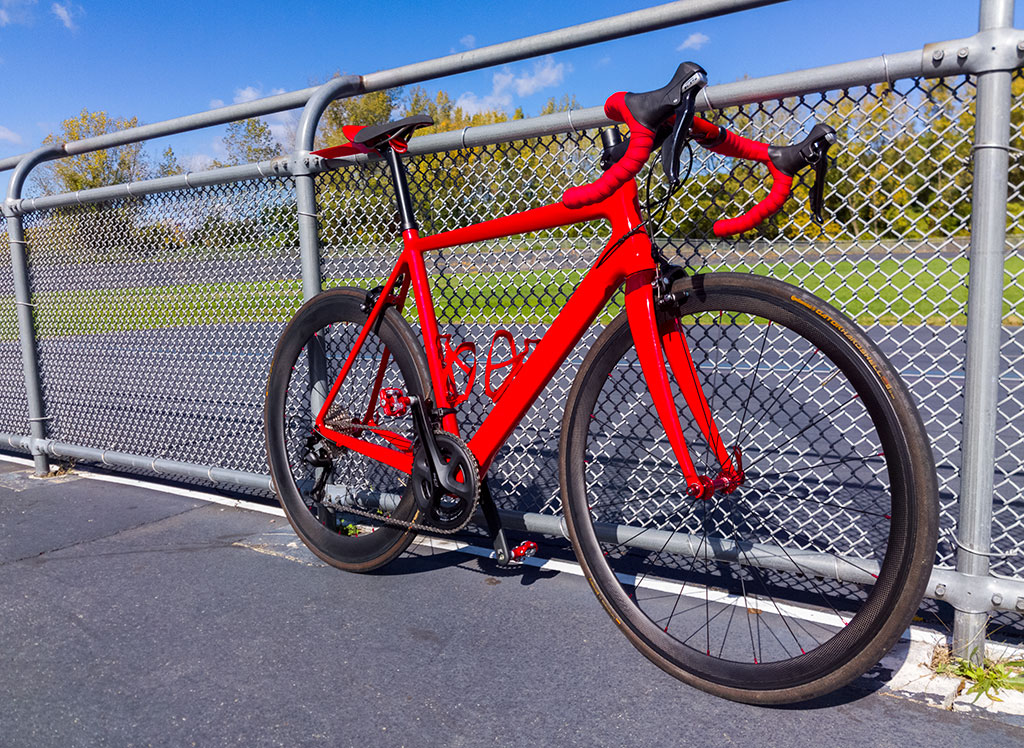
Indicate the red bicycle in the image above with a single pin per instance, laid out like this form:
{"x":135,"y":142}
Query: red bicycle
{"x":746,"y":482}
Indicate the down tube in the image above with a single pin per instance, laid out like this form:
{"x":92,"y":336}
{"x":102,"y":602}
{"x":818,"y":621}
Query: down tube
{"x":597,"y":287}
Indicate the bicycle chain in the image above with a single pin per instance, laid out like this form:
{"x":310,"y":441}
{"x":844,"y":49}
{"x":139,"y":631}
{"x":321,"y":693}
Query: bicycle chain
{"x":412,"y":524}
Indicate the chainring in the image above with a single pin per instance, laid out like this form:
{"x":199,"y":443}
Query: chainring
{"x":446,"y":507}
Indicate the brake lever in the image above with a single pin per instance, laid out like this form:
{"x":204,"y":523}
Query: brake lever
{"x":818,"y":190}
{"x":673,"y":145}
{"x":685,"y":110}
{"x":811,"y":151}
{"x":817,"y":155}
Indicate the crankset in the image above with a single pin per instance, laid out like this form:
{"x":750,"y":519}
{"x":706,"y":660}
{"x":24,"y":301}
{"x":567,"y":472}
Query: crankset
{"x":445,"y":475}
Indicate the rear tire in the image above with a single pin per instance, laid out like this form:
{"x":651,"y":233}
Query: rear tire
{"x":733,"y":594}
{"x":326,"y":328}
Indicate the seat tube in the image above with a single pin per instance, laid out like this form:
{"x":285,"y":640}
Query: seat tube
{"x":420,"y":284}
{"x":428,"y":325}
{"x":401,"y":184}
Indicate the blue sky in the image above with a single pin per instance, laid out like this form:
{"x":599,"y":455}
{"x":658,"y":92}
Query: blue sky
{"x":157,"y":60}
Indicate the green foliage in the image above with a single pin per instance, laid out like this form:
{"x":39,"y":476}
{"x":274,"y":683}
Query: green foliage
{"x":126,"y":163}
{"x":248,"y":142}
{"x":987,"y":678}
{"x":169,"y":166}
{"x":564,"y":104}
{"x":447,"y":115}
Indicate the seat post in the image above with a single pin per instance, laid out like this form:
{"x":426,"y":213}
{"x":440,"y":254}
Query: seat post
{"x":401,"y":187}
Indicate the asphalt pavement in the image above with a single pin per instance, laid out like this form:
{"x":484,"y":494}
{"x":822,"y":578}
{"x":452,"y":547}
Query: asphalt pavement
{"x":136,"y":617}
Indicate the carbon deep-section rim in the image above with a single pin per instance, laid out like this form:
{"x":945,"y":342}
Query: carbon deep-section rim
{"x":803,"y":577}
{"x":308,"y":358}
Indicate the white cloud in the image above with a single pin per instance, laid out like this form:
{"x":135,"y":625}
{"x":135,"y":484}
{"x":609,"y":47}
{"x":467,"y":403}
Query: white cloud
{"x":696,"y":40}
{"x":247,"y":94}
{"x":196,"y":162}
{"x":15,"y":11}
{"x":545,"y":73}
{"x":505,"y":83}
{"x":468,"y":41}
{"x":66,"y":13}
{"x":282,"y":124}
{"x":9,"y":135}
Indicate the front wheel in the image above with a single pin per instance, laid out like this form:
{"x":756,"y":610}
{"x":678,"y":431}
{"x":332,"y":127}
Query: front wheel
{"x":804,"y":576}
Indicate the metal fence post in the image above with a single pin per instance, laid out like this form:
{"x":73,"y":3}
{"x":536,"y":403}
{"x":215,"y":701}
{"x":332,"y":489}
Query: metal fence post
{"x":305,"y":188}
{"x":37,"y":416}
{"x":309,"y":225}
{"x":984,"y":330}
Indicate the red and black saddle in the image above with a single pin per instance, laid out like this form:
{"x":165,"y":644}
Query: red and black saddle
{"x":371,"y":138}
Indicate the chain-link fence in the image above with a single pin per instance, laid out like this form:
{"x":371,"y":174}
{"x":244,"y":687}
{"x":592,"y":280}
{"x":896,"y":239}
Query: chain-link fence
{"x":13,"y":408}
{"x":155,"y":317}
{"x":905,"y":285}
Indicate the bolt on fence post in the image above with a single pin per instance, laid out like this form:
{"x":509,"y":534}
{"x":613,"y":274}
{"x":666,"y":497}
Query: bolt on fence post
{"x":984,"y":330}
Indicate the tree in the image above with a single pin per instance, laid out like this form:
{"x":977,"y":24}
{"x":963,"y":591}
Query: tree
{"x":563,"y":104}
{"x":169,"y":166}
{"x":447,"y":115}
{"x":126,"y":163}
{"x":247,"y":142}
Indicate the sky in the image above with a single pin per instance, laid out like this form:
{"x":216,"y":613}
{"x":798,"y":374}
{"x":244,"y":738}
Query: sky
{"x":156,"y":59}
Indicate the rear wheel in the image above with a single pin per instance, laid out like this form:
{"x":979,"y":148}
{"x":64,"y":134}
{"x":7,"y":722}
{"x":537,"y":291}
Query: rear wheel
{"x":804,"y":576}
{"x":318,"y":483}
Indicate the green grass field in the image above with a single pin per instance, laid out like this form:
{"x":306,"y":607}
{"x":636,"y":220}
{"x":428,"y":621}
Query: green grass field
{"x":909,"y":292}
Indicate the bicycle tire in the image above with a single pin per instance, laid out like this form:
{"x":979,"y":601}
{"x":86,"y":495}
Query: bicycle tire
{"x":731,"y":594}
{"x":326,"y":328}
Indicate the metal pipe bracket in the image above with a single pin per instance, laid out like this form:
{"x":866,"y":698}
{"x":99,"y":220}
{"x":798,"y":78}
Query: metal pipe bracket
{"x":984,"y":52}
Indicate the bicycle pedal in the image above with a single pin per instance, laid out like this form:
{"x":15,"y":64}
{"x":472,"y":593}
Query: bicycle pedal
{"x":522,"y":551}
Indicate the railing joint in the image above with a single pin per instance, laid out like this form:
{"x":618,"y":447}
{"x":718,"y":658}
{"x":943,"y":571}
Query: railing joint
{"x":984,"y":52}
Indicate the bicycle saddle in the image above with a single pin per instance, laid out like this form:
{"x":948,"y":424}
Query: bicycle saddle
{"x":368,"y":139}
{"x":396,"y":132}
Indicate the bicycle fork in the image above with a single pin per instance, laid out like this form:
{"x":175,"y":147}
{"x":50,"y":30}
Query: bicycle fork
{"x":661,"y":347}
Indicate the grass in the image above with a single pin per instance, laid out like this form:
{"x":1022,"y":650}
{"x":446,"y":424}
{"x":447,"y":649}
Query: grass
{"x":94,"y":311}
{"x":986,"y":679}
{"x":890,"y":292}
{"x":911,"y":291}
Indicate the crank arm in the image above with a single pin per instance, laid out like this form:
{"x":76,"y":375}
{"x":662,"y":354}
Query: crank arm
{"x":443,"y":474}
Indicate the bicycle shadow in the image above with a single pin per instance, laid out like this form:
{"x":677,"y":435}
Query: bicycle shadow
{"x":875,"y":680}
{"x":423,"y":560}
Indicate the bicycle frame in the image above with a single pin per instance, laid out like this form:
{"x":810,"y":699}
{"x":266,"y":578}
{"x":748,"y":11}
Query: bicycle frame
{"x":629,"y":262}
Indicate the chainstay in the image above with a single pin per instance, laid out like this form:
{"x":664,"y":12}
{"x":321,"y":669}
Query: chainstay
{"x":413,"y":525}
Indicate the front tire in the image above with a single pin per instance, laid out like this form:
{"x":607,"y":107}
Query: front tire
{"x":805,"y":576}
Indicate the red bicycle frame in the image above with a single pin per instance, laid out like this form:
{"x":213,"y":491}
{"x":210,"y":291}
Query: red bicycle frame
{"x":629,"y":261}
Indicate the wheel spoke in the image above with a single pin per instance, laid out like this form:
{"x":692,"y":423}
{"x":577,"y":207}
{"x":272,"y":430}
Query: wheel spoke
{"x":750,"y":390}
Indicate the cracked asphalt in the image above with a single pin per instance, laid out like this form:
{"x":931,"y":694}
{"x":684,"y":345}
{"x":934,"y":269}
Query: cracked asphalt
{"x":131,"y":617}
